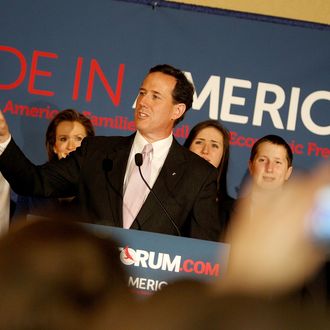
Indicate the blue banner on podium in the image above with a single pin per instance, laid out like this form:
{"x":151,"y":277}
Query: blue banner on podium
{"x":153,"y":260}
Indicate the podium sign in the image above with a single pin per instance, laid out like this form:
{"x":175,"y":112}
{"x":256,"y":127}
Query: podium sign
{"x":153,"y":260}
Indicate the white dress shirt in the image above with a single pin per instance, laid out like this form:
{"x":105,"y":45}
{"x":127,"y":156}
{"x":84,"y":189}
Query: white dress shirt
{"x":160,"y":152}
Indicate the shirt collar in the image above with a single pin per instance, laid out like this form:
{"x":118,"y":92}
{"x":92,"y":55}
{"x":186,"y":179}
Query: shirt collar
{"x":160,"y":147}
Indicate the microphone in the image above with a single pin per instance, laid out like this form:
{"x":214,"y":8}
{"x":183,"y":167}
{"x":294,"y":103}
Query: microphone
{"x":138,"y":163}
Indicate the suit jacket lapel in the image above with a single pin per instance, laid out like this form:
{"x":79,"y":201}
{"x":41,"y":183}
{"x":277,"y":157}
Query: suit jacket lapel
{"x":169,"y":176}
{"x":115,"y":177}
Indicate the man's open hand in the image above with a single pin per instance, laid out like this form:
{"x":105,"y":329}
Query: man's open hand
{"x":4,"y":130}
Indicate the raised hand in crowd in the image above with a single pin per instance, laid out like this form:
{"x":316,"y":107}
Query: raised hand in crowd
{"x":4,"y":130}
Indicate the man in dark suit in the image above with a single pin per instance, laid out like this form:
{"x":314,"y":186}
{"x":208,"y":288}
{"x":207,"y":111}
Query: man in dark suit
{"x":99,"y":171}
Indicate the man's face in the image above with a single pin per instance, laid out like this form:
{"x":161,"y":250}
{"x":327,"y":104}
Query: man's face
{"x":155,"y":112}
{"x":269,"y":169}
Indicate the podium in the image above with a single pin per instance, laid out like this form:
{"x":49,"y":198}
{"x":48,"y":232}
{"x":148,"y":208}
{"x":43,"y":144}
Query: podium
{"x":153,"y":260}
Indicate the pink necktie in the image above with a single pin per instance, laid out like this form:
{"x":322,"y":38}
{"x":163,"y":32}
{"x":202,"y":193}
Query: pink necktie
{"x":136,"y":189}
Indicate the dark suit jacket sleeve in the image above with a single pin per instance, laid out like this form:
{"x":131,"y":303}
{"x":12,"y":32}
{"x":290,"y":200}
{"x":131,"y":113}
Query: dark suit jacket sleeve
{"x":57,"y":179}
{"x":205,"y":222}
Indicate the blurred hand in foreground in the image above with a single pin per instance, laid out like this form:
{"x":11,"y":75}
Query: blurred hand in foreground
{"x":273,"y":252}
